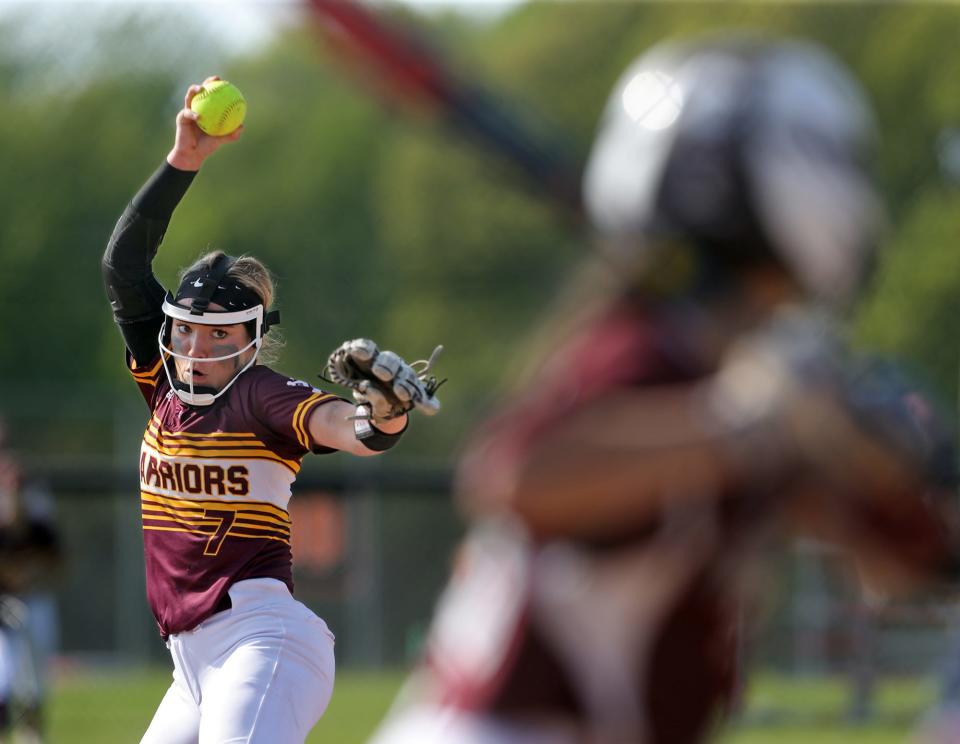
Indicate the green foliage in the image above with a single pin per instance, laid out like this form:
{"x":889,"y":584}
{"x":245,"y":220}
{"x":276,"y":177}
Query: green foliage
{"x":915,"y":297}
{"x":104,"y":707}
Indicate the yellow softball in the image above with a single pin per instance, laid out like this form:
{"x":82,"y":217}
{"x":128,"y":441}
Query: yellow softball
{"x":220,"y":107}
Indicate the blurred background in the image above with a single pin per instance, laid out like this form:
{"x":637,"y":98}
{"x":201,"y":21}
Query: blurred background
{"x":382,"y":217}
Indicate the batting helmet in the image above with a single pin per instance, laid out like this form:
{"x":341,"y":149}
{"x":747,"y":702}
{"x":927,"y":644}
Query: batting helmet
{"x":750,"y":149}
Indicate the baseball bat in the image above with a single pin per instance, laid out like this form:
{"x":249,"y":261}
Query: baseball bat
{"x":407,"y":69}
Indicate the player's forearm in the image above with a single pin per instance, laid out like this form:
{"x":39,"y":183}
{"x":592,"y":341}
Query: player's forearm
{"x":137,"y":236}
{"x":332,"y":425}
{"x":162,"y":192}
{"x":601,"y":472}
{"x":183,"y":160}
{"x":394,"y":425}
{"x":136,"y":297}
{"x":903,"y":539}
{"x":602,"y":494}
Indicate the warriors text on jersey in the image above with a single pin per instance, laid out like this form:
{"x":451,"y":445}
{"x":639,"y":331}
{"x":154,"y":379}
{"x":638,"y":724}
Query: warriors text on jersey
{"x":214,"y":487}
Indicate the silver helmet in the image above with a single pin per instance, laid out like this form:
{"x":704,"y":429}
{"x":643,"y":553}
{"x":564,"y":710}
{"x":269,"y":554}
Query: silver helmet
{"x":749,"y":148}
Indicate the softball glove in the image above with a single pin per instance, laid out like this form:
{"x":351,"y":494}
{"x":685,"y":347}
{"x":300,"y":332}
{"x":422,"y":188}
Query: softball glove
{"x":383,"y":384}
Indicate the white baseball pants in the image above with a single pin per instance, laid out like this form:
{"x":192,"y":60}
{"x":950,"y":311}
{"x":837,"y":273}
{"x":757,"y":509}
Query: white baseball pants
{"x":260,"y":672}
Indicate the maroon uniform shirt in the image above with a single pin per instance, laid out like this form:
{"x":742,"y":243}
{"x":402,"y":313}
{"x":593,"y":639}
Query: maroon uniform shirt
{"x":634,"y":636}
{"x":215,"y":482}
{"x":614,"y":633}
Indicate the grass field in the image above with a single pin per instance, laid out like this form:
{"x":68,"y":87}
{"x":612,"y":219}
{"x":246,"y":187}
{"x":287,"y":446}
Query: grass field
{"x":115,"y":708}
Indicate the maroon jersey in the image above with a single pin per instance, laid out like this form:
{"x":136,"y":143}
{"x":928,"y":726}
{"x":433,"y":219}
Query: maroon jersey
{"x":637,"y":634}
{"x":635,"y":637}
{"x":214,"y":486}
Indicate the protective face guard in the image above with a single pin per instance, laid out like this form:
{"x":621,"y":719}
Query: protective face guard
{"x":204,"y":395}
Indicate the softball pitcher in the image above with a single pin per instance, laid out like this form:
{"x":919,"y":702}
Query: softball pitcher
{"x":223,"y":445}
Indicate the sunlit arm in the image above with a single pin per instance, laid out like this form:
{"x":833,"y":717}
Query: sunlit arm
{"x":331,"y":424}
{"x":605,"y":469}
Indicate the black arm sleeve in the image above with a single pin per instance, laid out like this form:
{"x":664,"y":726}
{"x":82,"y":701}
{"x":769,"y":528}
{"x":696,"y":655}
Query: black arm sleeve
{"x":135,"y":295}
